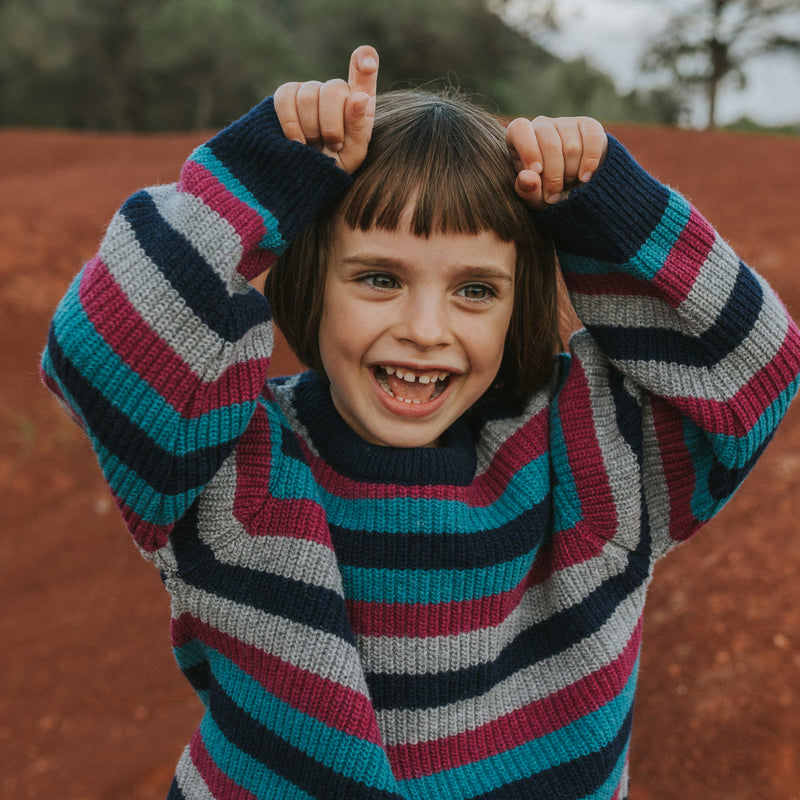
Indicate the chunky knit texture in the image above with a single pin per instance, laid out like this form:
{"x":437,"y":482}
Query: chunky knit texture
{"x":368,"y":622}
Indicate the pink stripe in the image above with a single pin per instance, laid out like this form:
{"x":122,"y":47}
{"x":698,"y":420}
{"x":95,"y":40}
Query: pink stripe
{"x":743,"y":411}
{"x":453,"y":618}
{"x":337,"y":706}
{"x":585,"y":457}
{"x":140,"y":348}
{"x":254,"y":505}
{"x":516,"y":452}
{"x":533,"y":721}
{"x":679,"y":471}
{"x":686,"y":259}
{"x":216,"y":780}
{"x":246,"y":221}
{"x":148,"y":536}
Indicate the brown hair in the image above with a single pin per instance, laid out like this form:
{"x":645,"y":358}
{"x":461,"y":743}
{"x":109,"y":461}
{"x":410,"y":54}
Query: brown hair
{"x":448,"y":159}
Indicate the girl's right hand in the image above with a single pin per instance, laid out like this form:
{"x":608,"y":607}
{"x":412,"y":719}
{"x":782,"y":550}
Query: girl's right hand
{"x":333,"y":117}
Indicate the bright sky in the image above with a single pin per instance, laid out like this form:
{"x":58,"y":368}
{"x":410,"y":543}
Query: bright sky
{"x":613,"y":35}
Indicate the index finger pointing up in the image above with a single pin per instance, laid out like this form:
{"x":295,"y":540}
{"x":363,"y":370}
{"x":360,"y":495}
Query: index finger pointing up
{"x":363,"y":75}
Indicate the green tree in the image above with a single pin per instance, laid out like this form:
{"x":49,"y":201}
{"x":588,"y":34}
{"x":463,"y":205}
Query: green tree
{"x":178,"y":64}
{"x":708,"y":45}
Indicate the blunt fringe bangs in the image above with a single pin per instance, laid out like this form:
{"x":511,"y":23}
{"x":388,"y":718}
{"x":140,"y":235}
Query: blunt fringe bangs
{"x":444,"y":159}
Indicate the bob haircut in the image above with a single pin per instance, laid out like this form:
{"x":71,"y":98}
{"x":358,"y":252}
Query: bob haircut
{"x":447,"y":160}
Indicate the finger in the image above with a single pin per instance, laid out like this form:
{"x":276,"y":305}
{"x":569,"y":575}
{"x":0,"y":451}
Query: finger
{"x":528,"y":186}
{"x":595,"y":146}
{"x":285,"y":101}
{"x":551,"y":147}
{"x":333,"y":97}
{"x":363,"y":72}
{"x":523,"y":146}
{"x":308,"y":111}
{"x":571,"y":148}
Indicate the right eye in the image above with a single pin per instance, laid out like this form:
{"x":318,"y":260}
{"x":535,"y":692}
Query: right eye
{"x":381,"y":280}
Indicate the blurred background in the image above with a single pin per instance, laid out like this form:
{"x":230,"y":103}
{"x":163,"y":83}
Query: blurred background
{"x":150,"y":65}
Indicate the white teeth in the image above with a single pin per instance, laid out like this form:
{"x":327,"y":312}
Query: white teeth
{"x":410,"y":377}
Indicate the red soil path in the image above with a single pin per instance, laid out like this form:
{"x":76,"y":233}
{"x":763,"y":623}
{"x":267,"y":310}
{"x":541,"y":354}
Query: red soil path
{"x":92,"y":706}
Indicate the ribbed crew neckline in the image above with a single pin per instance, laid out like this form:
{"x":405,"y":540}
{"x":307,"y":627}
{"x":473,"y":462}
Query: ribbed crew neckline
{"x":452,"y":463}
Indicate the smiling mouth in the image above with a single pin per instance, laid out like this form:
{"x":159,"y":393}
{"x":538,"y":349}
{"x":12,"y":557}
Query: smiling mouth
{"x":411,"y":386}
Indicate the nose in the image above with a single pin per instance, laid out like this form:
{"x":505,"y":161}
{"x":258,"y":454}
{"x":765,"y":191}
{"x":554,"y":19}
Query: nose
{"x":425,"y":322}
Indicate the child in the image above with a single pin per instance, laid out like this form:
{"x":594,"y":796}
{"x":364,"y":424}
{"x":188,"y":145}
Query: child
{"x":419,"y":570}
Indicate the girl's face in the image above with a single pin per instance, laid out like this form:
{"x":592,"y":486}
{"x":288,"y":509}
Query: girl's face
{"x":413,"y":328}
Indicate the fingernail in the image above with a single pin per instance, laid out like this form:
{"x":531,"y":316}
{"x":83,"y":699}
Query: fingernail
{"x":368,"y":62}
{"x":586,"y":177}
{"x":536,"y":167}
{"x":555,"y":198}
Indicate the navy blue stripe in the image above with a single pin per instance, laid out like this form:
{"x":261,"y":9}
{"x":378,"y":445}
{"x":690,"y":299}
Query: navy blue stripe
{"x":447,"y":550}
{"x":735,"y":322}
{"x":723,"y":480}
{"x":578,"y":227}
{"x":319,"y":608}
{"x":628,"y":414}
{"x":575,"y":779}
{"x":175,"y":792}
{"x":541,"y":641}
{"x":259,"y":156}
{"x":229,"y":316}
{"x":166,"y":473}
{"x":262,"y":744}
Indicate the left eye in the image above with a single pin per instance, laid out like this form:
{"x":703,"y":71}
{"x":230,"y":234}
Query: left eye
{"x":477,"y":291}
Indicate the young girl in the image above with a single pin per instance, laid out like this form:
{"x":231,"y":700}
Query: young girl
{"x":418,"y":570}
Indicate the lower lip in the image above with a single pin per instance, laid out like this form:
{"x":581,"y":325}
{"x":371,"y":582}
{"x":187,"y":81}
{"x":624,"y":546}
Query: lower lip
{"x":410,"y":410}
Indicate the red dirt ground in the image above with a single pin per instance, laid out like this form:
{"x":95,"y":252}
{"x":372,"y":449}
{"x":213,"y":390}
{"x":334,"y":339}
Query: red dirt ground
{"x":93,"y":706}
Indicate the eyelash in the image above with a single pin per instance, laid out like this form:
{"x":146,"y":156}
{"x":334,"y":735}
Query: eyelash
{"x":490,"y":292}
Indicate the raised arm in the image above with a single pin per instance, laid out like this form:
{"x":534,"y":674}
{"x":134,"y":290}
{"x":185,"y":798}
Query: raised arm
{"x":689,"y":361}
{"x":160,"y":347}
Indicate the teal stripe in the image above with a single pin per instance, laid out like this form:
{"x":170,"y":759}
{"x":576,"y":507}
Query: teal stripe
{"x":653,"y":254}
{"x":244,"y":770}
{"x":583,"y":737}
{"x":434,"y":586}
{"x":529,"y":486}
{"x":341,"y":752}
{"x":126,"y":484}
{"x":734,"y":451}
{"x":272,"y":239}
{"x":138,"y":495}
{"x":134,"y":397}
{"x":567,"y":512}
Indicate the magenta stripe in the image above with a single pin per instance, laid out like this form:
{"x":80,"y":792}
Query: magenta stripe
{"x":132,"y":339}
{"x":259,"y":512}
{"x":246,"y":221}
{"x":486,"y":489}
{"x":679,"y":471}
{"x":337,"y":706}
{"x":216,"y":780}
{"x":686,"y":260}
{"x":530,"y":722}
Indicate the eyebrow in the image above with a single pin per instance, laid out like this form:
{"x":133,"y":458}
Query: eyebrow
{"x":469,"y":271}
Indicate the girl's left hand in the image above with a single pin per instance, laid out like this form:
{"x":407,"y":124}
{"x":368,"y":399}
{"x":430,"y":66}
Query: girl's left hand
{"x":553,"y":156}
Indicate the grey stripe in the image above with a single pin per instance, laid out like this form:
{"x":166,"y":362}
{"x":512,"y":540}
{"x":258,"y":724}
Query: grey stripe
{"x":166,"y":312}
{"x":540,"y":680}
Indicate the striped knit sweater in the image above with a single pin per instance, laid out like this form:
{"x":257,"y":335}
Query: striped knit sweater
{"x":371,"y":622}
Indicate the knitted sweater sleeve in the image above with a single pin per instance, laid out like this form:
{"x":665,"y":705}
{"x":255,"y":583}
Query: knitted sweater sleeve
{"x":160,"y":347}
{"x":686,"y":367}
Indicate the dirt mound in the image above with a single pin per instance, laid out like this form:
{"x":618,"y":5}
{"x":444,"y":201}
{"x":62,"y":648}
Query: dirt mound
{"x":93,"y":706}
